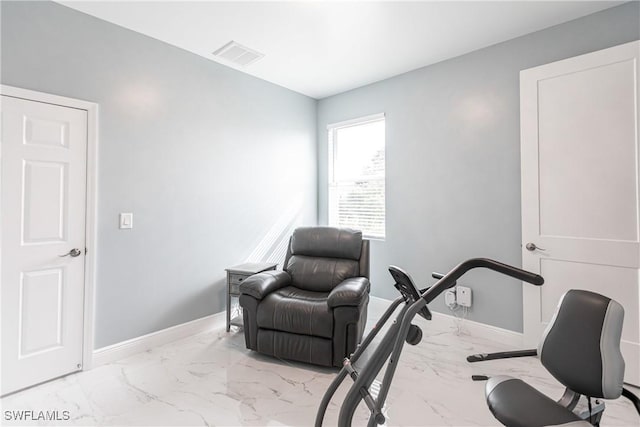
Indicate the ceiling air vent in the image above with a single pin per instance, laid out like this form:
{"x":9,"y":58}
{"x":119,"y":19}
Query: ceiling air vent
{"x":237,"y":54}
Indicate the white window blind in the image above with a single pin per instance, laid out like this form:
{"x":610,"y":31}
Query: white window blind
{"x":357,"y":175}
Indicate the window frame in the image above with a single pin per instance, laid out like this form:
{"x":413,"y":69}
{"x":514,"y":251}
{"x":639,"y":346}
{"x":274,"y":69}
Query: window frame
{"x":332,"y":128}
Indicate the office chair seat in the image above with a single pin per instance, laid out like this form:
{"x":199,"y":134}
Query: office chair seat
{"x":516,"y":404}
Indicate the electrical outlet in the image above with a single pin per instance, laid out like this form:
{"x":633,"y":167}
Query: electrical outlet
{"x":450,"y":298}
{"x":463,"y":296}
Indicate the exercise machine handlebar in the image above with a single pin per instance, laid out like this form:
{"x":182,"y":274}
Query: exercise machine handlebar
{"x":393,"y":341}
{"x":449,"y":280}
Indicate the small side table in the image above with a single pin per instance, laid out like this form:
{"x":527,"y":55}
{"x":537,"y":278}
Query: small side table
{"x":236,"y":275}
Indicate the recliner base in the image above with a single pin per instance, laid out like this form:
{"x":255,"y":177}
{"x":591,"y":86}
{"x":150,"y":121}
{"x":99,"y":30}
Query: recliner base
{"x":301,"y":348}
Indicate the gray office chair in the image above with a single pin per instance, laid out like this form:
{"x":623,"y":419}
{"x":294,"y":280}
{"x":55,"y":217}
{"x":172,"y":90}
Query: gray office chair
{"x":581,"y":349}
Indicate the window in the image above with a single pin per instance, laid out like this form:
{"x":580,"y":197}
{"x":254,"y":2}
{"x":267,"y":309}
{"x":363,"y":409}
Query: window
{"x":356,"y":175}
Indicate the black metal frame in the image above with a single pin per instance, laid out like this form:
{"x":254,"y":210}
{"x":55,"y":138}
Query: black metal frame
{"x":481,"y":357}
{"x":391,"y":345}
{"x":632,"y":397}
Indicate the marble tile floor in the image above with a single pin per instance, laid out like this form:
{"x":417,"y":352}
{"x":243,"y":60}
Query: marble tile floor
{"x":211,"y":379}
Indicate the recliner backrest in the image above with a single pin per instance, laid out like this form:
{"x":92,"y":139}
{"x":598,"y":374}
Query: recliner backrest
{"x":319,"y":258}
{"x":581,"y":345}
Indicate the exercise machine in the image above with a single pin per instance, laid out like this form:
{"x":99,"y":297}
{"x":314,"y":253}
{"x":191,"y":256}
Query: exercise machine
{"x":581,"y":349}
{"x":401,"y":331}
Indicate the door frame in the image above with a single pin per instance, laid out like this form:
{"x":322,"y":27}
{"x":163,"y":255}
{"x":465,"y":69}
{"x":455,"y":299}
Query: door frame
{"x":91,"y":210}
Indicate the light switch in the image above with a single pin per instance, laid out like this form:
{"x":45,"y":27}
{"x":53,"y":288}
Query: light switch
{"x":126,"y":220}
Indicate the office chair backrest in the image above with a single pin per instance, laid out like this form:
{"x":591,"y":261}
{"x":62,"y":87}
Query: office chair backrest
{"x":581,"y":345}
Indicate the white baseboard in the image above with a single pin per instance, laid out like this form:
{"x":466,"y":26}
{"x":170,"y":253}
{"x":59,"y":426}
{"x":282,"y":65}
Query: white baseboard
{"x":130,"y":347}
{"x":476,"y":329}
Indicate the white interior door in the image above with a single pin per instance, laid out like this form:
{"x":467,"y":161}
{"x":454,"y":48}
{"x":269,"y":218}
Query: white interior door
{"x":579,"y":122}
{"x":43,"y":192}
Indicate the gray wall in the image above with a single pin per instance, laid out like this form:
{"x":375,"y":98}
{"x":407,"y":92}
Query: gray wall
{"x":453,"y":157}
{"x":201,"y":154}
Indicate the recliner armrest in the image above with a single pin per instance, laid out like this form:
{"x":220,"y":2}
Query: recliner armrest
{"x":261,"y":284}
{"x":349,"y":293}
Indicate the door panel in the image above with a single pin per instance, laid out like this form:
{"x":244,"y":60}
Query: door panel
{"x":43,"y":202}
{"x":40,"y":311}
{"x":43,"y":217}
{"x":581,"y":114}
{"x":46,"y":132}
{"x":560,"y":276}
{"x":579,"y":151}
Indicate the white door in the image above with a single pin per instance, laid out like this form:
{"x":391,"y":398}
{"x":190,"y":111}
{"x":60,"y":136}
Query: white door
{"x":43,"y":191}
{"x":579,"y":122}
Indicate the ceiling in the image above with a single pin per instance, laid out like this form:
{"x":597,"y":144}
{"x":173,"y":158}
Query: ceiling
{"x":320,"y":48}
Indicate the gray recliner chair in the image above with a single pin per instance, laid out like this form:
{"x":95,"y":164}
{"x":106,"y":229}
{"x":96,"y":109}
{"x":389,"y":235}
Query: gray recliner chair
{"x":316,"y":309}
{"x":581,"y":349}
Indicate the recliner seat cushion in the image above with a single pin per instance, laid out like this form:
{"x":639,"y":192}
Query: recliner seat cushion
{"x":320,"y":274}
{"x":516,"y":404}
{"x":296,"y":311}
